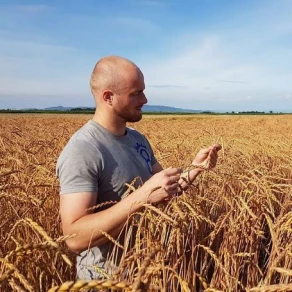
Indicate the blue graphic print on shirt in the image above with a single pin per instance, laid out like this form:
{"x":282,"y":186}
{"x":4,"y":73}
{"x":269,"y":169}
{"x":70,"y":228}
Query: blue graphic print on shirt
{"x":142,"y":150}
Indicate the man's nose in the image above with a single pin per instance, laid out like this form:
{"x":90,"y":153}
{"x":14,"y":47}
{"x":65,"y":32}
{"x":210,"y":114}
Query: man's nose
{"x":145,"y":100}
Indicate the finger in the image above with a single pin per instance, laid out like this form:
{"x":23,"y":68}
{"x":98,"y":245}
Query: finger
{"x":214,"y":151}
{"x":174,"y":186}
{"x":213,"y":154}
{"x":173,"y":192}
{"x":205,"y":151}
{"x":173,"y":179}
{"x":217,"y":147}
{"x":212,"y":164}
{"x":213,"y":159}
{"x":170,"y":188}
{"x":171,"y":171}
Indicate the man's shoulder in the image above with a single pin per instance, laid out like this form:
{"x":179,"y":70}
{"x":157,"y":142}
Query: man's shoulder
{"x":89,"y":133}
{"x":134,"y":132}
{"x":137,"y":135}
{"x":83,"y":142}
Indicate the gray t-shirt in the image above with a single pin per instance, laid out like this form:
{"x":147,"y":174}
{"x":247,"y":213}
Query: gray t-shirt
{"x":94,"y":160}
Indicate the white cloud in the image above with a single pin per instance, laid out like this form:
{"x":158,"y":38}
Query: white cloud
{"x":242,"y":61}
{"x":247,"y":59}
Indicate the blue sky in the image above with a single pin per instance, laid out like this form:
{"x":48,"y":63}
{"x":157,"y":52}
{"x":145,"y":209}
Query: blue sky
{"x":197,"y":54}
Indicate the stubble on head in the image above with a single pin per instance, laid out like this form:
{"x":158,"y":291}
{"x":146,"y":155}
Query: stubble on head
{"x":109,"y":74}
{"x":117,"y":75}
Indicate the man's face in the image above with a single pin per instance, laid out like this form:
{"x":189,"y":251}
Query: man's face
{"x":128,"y":102}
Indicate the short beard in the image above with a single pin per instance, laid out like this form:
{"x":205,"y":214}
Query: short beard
{"x":128,"y":116}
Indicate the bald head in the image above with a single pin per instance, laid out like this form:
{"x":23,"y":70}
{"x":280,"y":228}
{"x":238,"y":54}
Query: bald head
{"x":110,"y":73}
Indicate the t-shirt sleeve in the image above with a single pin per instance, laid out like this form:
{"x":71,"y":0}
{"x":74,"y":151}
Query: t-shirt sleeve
{"x":78,"y":168}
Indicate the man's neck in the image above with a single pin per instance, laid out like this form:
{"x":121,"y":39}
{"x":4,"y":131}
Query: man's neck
{"x":114,"y":126}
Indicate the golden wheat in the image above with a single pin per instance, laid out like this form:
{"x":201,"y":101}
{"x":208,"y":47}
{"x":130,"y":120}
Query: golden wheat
{"x":230,"y":231}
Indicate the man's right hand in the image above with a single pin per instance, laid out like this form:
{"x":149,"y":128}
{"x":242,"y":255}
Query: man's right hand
{"x":162,"y":185}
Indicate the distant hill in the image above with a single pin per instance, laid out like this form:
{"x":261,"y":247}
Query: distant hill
{"x":146,"y":108}
{"x":167,"y":109}
{"x":64,"y":108}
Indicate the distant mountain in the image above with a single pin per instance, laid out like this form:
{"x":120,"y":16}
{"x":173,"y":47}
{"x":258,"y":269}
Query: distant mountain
{"x":167,"y":109}
{"x":60,"y":108}
{"x":146,"y":108}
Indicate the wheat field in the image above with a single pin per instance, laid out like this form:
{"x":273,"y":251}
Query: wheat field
{"x":230,"y":231}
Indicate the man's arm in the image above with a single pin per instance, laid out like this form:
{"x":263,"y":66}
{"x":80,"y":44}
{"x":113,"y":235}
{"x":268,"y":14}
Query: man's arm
{"x":188,"y":177}
{"x":210,"y":154}
{"x":88,"y":225}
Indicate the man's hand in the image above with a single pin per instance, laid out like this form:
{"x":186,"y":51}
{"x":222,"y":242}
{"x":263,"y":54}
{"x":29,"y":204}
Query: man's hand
{"x":207,"y":157}
{"x":162,"y":185}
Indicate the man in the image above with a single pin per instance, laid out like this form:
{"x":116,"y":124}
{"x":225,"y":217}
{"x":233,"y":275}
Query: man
{"x":103,"y":156}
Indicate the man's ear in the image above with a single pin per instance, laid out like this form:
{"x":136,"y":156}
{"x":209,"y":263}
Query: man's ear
{"x":108,"y":96}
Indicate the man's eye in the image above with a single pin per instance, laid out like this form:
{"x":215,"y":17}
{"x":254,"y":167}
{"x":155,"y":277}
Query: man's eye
{"x":138,"y":93}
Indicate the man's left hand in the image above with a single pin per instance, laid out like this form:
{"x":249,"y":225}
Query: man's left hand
{"x":210,"y":153}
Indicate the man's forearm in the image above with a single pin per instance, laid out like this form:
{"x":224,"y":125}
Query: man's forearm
{"x":88,"y":228}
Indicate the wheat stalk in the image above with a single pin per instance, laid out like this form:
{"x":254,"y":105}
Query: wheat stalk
{"x":82,"y":285}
